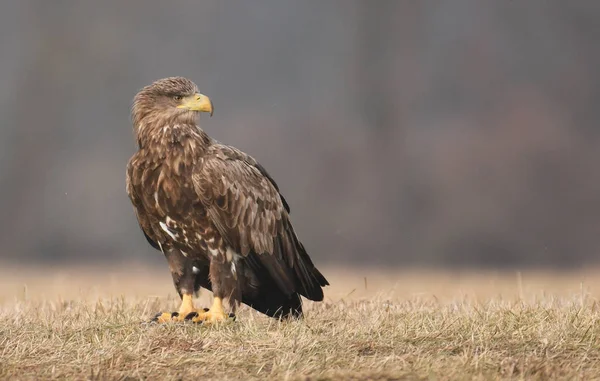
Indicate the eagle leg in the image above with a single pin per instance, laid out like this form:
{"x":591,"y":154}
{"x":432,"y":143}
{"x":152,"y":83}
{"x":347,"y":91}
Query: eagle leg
{"x":224,"y":282}
{"x":183,"y":271}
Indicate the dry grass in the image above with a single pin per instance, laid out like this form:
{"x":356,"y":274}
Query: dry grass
{"x":84,"y":324}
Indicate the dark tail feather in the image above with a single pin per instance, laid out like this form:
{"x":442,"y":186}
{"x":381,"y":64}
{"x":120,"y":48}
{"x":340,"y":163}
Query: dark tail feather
{"x":274,"y":303}
{"x":282,"y":277}
{"x":311,"y":279}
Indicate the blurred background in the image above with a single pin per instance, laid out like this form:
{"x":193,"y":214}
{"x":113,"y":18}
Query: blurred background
{"x":442,"y":134}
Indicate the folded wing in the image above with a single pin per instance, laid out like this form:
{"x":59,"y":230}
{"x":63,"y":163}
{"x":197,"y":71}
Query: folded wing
{"x":244,"y":204}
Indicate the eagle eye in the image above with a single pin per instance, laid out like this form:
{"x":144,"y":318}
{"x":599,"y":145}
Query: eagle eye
{"x":177,"y":97}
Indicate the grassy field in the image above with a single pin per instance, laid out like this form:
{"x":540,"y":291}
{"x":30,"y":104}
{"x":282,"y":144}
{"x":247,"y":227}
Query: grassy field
{"x":88,"y":323}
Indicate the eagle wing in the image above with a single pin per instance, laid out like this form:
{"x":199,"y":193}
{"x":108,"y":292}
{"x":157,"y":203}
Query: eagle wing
{"x":138,"y":207}
{"x":244,"y":204}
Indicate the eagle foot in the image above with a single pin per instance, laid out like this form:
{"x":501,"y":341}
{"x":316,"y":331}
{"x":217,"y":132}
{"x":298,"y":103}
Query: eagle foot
{"x":211,"y":317}
{"x":194,"y":314}
{"x":163,"y":317}
{"x":169,"y":317}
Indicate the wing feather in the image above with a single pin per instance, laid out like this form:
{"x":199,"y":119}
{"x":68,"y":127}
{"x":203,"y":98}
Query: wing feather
{"x":138,"y":207}
{"x":244,"y":204}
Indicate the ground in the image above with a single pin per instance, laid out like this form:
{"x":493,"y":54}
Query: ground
{"x":88,"y":323}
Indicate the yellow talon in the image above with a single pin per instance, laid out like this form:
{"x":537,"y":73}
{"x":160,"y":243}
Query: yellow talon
{"x":163,"y":317}
{"x":186,"y":312}
{"x":215,"y":314}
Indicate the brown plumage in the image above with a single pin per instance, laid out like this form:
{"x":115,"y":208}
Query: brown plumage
{"x":213,"y":210}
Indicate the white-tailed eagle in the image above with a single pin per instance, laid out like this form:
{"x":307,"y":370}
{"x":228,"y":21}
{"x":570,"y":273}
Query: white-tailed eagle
{"x":214,"y":211}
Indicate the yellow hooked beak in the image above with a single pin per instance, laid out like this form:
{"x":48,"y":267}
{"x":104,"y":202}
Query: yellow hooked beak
{"x":197,"y":102}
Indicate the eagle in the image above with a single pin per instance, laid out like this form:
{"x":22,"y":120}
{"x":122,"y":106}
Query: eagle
{"x":214,"y":212}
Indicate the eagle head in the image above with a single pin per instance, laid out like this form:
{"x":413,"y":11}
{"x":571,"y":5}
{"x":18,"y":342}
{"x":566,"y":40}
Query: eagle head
{"x":167,"y":102}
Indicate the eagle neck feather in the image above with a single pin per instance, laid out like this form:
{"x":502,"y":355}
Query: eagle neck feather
{"x":172,"y":136}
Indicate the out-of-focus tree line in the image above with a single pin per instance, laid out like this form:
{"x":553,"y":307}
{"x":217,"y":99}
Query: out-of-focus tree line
{"x":424,"y":132}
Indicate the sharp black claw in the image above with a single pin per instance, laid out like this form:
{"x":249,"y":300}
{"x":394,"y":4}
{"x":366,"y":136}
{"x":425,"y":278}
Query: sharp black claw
{"x":156,"y":318}
{"x":191,"y":315}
